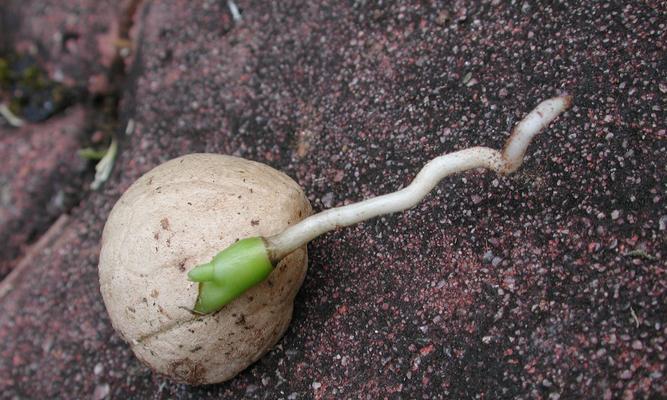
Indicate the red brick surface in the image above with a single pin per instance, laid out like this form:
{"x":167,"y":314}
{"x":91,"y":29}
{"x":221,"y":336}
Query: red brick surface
{"x":40,"y":177}
{"x":73,"y":39}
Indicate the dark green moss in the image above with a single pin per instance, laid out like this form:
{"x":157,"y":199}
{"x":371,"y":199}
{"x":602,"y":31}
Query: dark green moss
{"x":4,"y":72}
{"x":28,"y":91}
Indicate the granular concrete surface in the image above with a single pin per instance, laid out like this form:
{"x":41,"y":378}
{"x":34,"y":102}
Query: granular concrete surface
{"x":548,"y":283}
{"x":40,"y":177}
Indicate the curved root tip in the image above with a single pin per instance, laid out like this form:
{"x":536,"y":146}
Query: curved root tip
{"x":529,"y":127}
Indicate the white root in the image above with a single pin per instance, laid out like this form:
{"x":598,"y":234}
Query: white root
{"x":11,"y":118}
{"x":505,"y":162}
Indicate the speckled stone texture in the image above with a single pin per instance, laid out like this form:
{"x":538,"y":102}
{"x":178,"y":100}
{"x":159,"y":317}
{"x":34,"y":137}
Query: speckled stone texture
{"x":40,"y":178}
{"x":549,"y":283}
{"x":73,"y":39}
{"x":41,"y":174}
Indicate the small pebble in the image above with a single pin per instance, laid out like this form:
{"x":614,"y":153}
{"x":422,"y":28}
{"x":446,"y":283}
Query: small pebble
{"x":627,"y":374}
{"x":101,"y":392}
{"x":99,"y":368}
{"x":251,"y":389}
{"x":487,"y":257}
{"x":327,"y":200}
{"x":340,"y":174}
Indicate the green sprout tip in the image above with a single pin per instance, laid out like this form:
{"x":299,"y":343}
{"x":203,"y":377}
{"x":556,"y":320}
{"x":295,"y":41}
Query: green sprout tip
{"x":230,"y":273}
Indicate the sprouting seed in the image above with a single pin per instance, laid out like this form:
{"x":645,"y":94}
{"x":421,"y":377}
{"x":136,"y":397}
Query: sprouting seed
{"x":248,"y":262}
